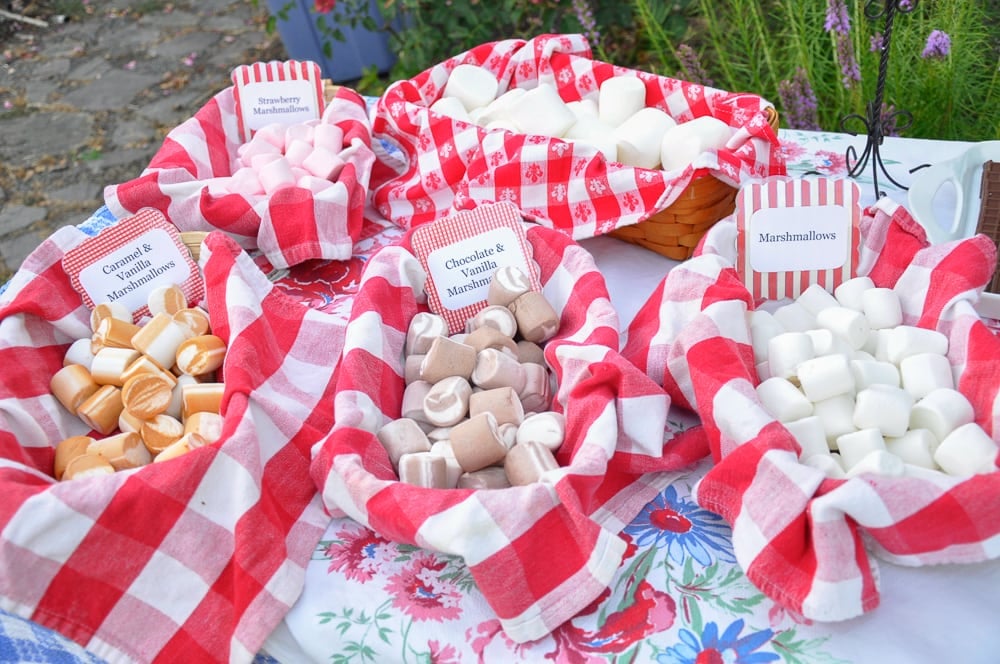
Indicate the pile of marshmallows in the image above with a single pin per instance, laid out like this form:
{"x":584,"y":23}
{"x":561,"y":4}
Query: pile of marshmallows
{"x":475,"y":410}
{"x":309,"y":155}
{"x":860,"y":391}
{"x":618,"y":123}
{"x":149,"y":389}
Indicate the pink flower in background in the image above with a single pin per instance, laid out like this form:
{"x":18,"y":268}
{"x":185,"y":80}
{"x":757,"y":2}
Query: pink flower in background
{"x":831,"y":163}
{"x":938,"y":45}
{"x":324,"y":6}
{"x":420,"y":591}
{"x":445,"y":654}
{"x":357,"y":556}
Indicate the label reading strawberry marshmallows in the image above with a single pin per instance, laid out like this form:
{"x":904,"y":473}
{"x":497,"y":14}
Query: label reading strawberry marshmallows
{"x":289,"y":92}
{"x":461,"y":252}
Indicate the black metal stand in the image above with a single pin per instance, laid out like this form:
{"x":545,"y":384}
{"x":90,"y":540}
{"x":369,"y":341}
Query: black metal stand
{"x":875,"y":122}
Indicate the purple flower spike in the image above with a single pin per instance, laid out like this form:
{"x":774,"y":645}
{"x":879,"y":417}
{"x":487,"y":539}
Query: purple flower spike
{"x":938,"y":45}
{"x":837,"y":18}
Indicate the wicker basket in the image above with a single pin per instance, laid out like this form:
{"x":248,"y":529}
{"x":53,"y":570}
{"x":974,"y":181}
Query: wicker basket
{"x":676,"y":230}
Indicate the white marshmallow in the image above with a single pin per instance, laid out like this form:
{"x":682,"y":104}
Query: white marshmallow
{"x":583,"y":108}
{"x":826,"y":342}
{"x":542,"y":111}
{"x":809,"y":434}
{"x":498,"y":110}
{"x":794,"y":317}
{"x":878,"y":344}
{"x":763,"y":327}
{"x":451,"y":107}
{"x":883,"y":407}
{"x":915,"y":447}
{"x":606,"y":145}
{"x":848,"y":324}
{"x":815,"y":298}
{"x":825,"y":376}
{"x":923,"y":373}
{"x":786,"y":351}
{"x":828,"y":464}
{"x":849,"y":292}
{"x":424,"y":326}
{"x":882,"y":308}
{"x":881,"y":462}
{"x":905,"y":340}
{"x":942,"y":411}
{"x":837,"y":416}
{"x":472,"y":85}
{"x":683,"y":143}
{"x":967,"y":450}
{"x":871,"y":372}
{"x":855,"y":445}
{"x":620,"y":97}
{"x":79,"y":352}
{"x":547,"y":429}
{"x":783,"y":400}
{"x":639,"y":137}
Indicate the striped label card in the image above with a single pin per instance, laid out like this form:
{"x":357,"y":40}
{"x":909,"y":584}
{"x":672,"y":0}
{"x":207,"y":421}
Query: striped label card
{"x":461,"y":252}
{"x":792,"y":233}
{"x":283,"y":92}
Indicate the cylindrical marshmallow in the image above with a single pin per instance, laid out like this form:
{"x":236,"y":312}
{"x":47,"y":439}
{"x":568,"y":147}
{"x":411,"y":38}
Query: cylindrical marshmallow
{"x":849,"y":292}
{"x":413,"y":400}
{"x":160,"y":432}
{"x":447,"y":358}
{"x":498,"y":110}
{"x":809,"y":434}
{"x":923,"y":373}
{"x":195,"y":319}
{"x":489,"y":337}
{"x":109,"y":365}
{"x":619,"y":98}
{"x":825,"y":376}
{"x":967,"y":450}
{"x":477,"y":442}
{"x":472,"y":85}
{"x":786,"y":351}
{"x":848,"y":324}
{"x":880,"y":462}
{"x":275,"y":175}
{"x":495,"y":368}
{"x":527,"y":463}
{"x":180,"y":447}
{"x":79,"y":353}
{"x":855,"y":445}
{"x":205,"y":424}
{"x":506,"y":285}
{"x":101,"y":409}
{"x":146,"y":394}
{"x":115,"y":333}
{"x":815,"y":298}
{"x":159,"y":339}
{"x":144,"y":365}
{"x":321,"y":163}
{"x":941,"y":411}
{"x":826,"y":342}
{"x":491,"y":477}
{"x":167,"y":298}
{"x":783,"y":400}
{"x":537,"y":393}
{"x":199,"y":397}
{"x":72,"y":385}
{"x":882,"y":308}
{"x":828,"y":464}
{"x":683,"y":143}
{"x":122,"y":450}
{"x":453,"y":108}
{"x":87,"y":465}
{"x":883,"y":407}
{"x":423,"y":329}
{"x":424,"y":469}
{"x":528,"y":352}
{"x":400,"y":437}
{"x":870,"y":372}
{"x":447,"y":402}
{"x":903,"y":341}
{"x":497,"y":317}
{"x":915,"y":447}
{"x":547,"y":428}
{"x":794,"y":317}
{"x":537,"y":319}
{"x":503,"y":402}
{"x":837,"y":416}
{"x":542,"y":111}
{"x":109,"y":310}
{"x":328,"y":136}
{"x":639,"y":137}
{"x":200,"y":355}
{"x":763,"y":327}
{"x":68,"y":449}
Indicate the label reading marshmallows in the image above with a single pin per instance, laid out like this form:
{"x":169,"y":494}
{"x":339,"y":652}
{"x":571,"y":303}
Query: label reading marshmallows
{"x":793,"y":233}
{"x":127,"y":260}
{"x":289,"y":92}
{"x":461,"y":252}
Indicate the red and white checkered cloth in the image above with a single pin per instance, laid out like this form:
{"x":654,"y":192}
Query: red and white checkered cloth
{"x":192,"y":560}
{"x":186,"y":182}
{"x":802,"y":538}
{"x":448,"y":164}
{"x":539,"y":553}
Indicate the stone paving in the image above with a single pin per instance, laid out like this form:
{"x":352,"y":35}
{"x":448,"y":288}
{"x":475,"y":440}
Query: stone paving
{"x":86,"y":103}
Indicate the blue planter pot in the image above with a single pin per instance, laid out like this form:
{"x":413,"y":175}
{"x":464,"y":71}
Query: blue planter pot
{"x":360,"y":50}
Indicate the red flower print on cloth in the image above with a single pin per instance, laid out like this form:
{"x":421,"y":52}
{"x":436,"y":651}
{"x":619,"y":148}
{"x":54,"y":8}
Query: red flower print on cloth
{"x":420,"y":592}
{"x":831,"y":163}
{"x":792,"y":151}
{"x":356,"y":554}
{"x":443,"y":653}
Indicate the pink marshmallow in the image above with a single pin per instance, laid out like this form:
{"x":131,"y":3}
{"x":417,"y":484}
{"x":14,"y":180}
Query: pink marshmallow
{"x":296,"y":151}
{"x":313,"y":183}
{"x":245,"y":181}
{"x":276,"y":175}
{"x":298,"y":173}
{"x":273,"y":133}
{"x":298,"y":132}
{"x":328,"y":136}
{"x":259,"y":161}
{"x":323,"y":163}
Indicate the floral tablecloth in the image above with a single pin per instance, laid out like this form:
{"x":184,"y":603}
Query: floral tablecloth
{"x":678,"y":597}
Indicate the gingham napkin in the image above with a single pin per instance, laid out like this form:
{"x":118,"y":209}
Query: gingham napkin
{"x":448,"y":164}
{"x":802,"y":538}
{"x":290,"y":226}
{"x":194,"y":559}
{"x":539,"y":553}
